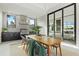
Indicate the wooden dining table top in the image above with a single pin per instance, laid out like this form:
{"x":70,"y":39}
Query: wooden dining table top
{"x":47,"y":41}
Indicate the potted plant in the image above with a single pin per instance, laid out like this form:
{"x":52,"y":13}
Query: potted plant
{"x":36,"y":29}
{"x":4,"y":29}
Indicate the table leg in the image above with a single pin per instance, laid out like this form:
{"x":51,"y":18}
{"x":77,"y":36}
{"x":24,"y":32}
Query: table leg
{"x":49,"y":50}
{"x":56,"y":51}
{"x":60,"y":50}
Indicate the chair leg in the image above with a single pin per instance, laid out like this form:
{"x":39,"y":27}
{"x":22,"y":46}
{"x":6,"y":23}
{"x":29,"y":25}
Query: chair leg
{"x":56,"y":51}
{"x":22,"y":42}
{"x":60,"y":50}
{"x":24,"y":46}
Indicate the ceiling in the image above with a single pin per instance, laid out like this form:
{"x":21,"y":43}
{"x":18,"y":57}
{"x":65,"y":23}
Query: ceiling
{"x":33,"y":10}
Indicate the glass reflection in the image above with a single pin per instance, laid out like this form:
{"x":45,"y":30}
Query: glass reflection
{"x":69,"y":27}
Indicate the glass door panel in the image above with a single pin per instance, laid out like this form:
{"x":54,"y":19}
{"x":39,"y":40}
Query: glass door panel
{"x":69,"y":28}
{"x":58,"y":24}
{"x":69,"y":20}
{"x":51,"y":25}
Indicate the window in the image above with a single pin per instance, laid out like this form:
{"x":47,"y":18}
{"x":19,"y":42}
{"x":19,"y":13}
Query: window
{"x":31,"y":22}
{"x":11,"y":21}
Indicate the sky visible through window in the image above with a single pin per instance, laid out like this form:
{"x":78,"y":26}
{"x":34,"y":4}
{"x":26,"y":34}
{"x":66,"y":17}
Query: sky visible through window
{"x":11,"y":19}
{"x":31,"y":22}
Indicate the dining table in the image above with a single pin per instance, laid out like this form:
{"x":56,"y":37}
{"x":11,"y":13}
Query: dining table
{"x":49,"y":42}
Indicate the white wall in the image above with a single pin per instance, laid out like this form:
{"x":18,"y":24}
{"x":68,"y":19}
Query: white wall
{"x":42,"y":21}
{"x":20,"y":20}
{"x":77,"y":23}
{"x":0,"y":25}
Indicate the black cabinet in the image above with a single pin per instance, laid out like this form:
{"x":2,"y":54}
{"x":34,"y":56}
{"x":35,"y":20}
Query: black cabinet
{"x":8,"y":36}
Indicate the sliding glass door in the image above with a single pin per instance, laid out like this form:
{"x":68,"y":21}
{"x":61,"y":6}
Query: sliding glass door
{"x":62,"y":23}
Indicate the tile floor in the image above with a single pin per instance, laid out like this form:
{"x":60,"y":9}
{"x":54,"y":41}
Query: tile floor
{"x":13,"y":48}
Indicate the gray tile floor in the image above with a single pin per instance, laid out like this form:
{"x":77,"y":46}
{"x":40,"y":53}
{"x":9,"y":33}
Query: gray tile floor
{"x":69,"y":42}
{"x":14,"y":48}
{"x":11,"y":48}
